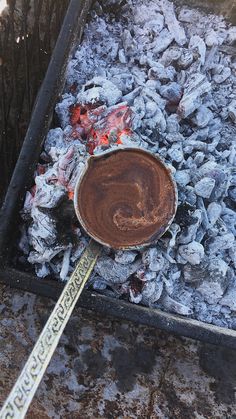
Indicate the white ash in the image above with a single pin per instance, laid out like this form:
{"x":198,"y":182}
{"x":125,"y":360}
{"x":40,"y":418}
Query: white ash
{"x":176,"y":70}
{"x":114,"y":272}
{"x":214,"y":287}
{"x":152,"y":291}
{"x":192,"y":253}
{"x":205,"y":187}
{"x":125,"y":257}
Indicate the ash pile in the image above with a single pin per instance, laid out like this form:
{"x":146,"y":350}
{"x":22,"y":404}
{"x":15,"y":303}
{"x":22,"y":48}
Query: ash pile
{"x":162,"y":79}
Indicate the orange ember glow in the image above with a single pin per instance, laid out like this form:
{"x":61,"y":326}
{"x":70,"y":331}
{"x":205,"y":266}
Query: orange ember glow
{"x":101,"y":126}
{"x":71,"y":195}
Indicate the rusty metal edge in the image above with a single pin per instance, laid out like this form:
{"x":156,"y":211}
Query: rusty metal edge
{"x":108,"y":306}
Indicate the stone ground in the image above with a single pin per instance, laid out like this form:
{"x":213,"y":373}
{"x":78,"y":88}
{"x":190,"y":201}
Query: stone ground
{"x":105,"y":368}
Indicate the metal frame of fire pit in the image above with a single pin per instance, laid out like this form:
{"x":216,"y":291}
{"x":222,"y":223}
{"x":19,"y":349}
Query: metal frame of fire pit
{"x":22,"y":179}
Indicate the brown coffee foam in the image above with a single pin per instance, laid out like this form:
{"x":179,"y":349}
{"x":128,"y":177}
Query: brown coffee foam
{"x":126,"y":198}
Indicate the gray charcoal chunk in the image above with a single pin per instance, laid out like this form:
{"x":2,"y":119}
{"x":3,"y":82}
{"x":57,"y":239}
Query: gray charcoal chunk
{"x":201,"y":206}
{"x":157,"y":121}
{"x":199,"y":157}
{"x":211,"y":38}
{"x":46,"y":255}
{"x":149,"y":275}
{"x":175,"y":152}
{"x":162,"y":41}
{"x":203,"y":116}
{"x":54,"y":139}
{"x":172,"y":92}
{"x":144,"y":274}
{"x":175,"y":306}
{"x":195,"y":274}
{"x":139,"y":107}
{"x":207,"y":169}
{"x":125,"y":257}
{"x":122,"y":57}
{"x":232,"y":194}
{"x":99,"y":284}
{"x":99,"y":90}
{"x":47,"y":195}
{"x":185,"y":59}
{"x":153,"y":259}
{"x":204,"y":187}
{"x":232,"y":110}
{"x":231,"y":35}
{"x":229,"y":298}
{"x":42,"y":227}
{"x":182,"y":177}
{"x":215,"y":127}
{"x":190,"y":195}
{"x":196,"y":86}
{"x":130,"y":97}
{"x":135,"y":298}
{"x":155,"y":25}
{"x":159,"y":72}
{"x":151,"y":109}
{"x":62,"y":109}
{"x":42,"y":270}
{"x":221,"y":78}
{"x":192,"y":252}
{"x":114,"y":272}
{"x":190,"y":234}
{"x":232,"y":254}
{"x":173,"y":124}
{"x":176,"y":30}
{"x":213,"y":288}
{"x":223,"y":242}
{"x":197,"y":44}
{"x":171,"y":55}
{"x":129,"y":43}
{"x":213,"y":212}
{"x":152,"y":291}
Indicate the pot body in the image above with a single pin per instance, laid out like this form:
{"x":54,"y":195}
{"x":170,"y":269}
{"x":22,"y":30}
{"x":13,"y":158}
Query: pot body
{"x":113,"y":151}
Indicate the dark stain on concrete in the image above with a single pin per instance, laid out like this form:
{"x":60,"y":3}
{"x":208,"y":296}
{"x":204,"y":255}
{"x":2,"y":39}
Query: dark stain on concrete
{"x":176,"y":408}
{"x":96,"y":364}
{"x":113,"y":410}
{"x":71,"y":350}
{"x":220,"y":363}
{"x":129,"y":364}
{"x":78,"y":366}
{"x":202,"y":406}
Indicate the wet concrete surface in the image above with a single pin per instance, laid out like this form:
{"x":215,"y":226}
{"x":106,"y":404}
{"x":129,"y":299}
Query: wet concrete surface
{"x":105,"y":368}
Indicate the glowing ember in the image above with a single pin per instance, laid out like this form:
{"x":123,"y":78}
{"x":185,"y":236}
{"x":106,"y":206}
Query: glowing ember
{"x":99,"y":126}
{"x":94,"y":126}
{"x":71,"y":195}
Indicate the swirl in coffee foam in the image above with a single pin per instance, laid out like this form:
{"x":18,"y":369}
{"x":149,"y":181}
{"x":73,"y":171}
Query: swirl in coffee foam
{"x":126,"y":198}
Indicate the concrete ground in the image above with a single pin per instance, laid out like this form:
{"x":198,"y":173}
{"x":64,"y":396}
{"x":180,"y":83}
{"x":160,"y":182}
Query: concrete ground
{"x":105,"y":368}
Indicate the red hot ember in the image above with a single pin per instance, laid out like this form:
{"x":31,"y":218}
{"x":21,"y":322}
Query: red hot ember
{"x":93,"y":126}
{"x":100,"y":126}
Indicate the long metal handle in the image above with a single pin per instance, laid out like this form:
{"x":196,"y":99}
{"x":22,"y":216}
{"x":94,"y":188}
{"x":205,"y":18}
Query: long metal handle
{"x":24,"y":389}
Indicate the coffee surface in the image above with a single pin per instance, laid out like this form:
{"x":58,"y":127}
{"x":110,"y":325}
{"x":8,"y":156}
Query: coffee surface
{"x":126,"y":198}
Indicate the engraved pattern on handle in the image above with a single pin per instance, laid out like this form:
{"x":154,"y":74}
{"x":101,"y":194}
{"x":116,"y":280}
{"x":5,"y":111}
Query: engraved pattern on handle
{"x":25,"y":387}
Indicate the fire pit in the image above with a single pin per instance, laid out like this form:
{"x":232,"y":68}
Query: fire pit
{"x":163,"y":84}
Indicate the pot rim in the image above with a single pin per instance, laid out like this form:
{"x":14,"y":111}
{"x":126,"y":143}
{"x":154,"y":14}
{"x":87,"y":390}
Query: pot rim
{"x":83,"y":173}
